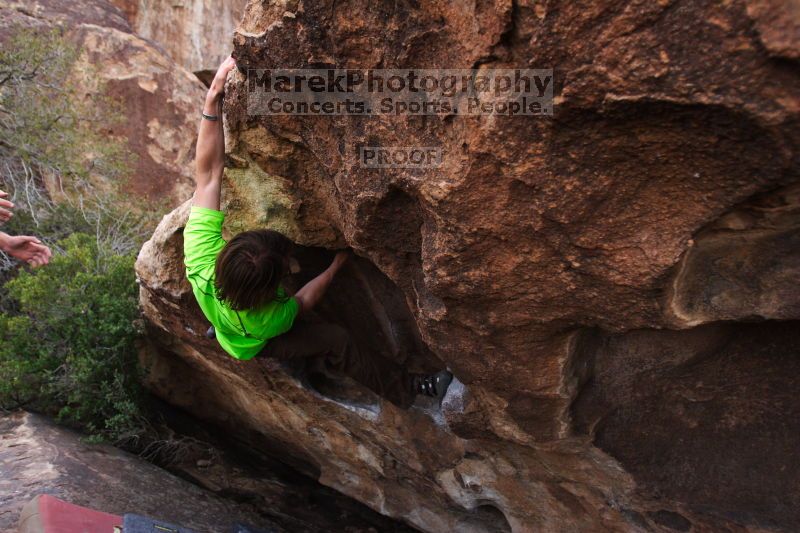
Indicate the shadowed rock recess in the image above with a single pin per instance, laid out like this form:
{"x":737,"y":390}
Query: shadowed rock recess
{"x":614,"y":287}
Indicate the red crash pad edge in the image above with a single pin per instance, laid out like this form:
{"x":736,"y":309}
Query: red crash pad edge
{"x":47,"y":514}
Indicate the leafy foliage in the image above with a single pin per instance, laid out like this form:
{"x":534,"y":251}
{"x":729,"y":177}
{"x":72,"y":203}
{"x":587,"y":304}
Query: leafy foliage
{"x":70,"y":347}
{"x":68,"y":329}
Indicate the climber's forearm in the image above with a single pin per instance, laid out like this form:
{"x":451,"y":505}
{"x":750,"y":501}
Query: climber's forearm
{"x":210,"y":151}
{"x":313,"y":291}
{"x":210,"y":155}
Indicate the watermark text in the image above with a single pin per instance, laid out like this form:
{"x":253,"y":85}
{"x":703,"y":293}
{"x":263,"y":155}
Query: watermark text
{"x":400,"y":92}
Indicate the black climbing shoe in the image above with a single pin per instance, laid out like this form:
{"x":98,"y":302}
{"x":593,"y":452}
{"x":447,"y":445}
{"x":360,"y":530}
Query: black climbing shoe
{"x":211,"y":333}
{"x":433,"y":385}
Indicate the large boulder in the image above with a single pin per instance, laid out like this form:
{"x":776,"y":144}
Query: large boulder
{"x":579,"y":274}
{"x":406,"y":464}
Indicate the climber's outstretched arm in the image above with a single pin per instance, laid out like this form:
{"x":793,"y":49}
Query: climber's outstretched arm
{"x":210,"y":152}
{"x":311,"y":293}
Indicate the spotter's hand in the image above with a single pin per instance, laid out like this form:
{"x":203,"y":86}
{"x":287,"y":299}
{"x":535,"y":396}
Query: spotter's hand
{"x":5,"y":207}
{"x":28,"y":249}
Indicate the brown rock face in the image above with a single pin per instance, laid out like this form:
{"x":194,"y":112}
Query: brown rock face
{"x":406,"y":464}
{"x":581,"y":275}
{"x":196,"y":34}
{"x":159,"y":99}
{"x":692,"y":415}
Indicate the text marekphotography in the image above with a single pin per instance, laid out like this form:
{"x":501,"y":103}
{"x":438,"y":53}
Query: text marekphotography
{"x":400,"y":92}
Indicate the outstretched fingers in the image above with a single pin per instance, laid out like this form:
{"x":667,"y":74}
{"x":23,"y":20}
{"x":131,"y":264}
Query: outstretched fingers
{"x":29,"y":249}
{"x":5,"y":207}
{"x":40,"y":253}
{"x":39,"y":258}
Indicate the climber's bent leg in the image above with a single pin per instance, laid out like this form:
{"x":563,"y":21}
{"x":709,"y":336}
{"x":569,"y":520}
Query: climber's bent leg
{"x":305,"y":339}
{"x":320,"y":339}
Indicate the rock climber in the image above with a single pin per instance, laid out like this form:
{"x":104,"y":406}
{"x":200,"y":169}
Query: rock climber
{"x":238,"y":285}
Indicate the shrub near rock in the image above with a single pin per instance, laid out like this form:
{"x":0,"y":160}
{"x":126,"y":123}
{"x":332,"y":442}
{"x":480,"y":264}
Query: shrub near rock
{"x":69,"y":340}
{"x":68,"y":330}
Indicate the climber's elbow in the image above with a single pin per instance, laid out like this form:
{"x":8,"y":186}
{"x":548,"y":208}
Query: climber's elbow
{"x":207,"y":195}
{"x":302,"y":305}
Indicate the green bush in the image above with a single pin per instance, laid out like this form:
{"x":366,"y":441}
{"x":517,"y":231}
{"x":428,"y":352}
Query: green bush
{"x":69,"y":340}
{"x":68,"y":335}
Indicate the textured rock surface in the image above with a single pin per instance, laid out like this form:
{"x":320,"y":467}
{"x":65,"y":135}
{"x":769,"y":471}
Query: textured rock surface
{"x":705,"y":417}
{"x":159,"y":98}
{"x":405,"y":464}
{"x":540,"y":263}
{"x":195,"y":33}
{"x":269,"y":487}
{"x":38,"y":457}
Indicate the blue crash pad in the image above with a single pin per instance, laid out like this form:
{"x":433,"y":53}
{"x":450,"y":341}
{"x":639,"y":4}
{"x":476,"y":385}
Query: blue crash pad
{"x":134,"y":523}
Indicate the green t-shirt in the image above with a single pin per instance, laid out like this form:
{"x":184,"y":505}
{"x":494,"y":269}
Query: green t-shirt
{"x":242,"y":336}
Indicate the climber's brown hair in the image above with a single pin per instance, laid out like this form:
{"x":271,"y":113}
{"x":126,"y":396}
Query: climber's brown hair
{"x":250,"y":267}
